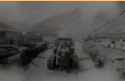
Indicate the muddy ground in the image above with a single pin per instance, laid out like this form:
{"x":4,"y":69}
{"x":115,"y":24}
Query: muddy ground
{"x":37,"y":70}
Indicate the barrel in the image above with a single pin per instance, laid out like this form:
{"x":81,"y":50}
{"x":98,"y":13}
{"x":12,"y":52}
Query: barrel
{"x":112,"y":46}
{"x":123,"y":48}
{"x":105,"y":44}
{"x":118,"y":46}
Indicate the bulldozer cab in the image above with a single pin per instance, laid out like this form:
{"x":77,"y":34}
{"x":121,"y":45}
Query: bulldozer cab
{"x":64,"y":43}
{"x":63,"y":54}
{"x":64,"y":48}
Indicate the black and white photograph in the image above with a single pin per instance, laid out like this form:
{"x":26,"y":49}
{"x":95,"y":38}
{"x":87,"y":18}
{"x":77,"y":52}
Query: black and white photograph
{"x":62,"y":41}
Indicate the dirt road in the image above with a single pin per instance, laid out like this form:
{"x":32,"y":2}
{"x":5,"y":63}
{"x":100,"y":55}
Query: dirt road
{"x":38,"y":70}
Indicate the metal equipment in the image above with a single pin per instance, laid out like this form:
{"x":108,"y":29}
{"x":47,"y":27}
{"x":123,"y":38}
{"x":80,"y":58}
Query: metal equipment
{"x":63,"y":56}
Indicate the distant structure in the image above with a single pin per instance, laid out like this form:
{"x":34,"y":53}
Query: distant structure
{"x":110,"y":35}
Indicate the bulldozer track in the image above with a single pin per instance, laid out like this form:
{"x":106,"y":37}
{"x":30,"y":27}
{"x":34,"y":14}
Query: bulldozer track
{"x":50,"y":62}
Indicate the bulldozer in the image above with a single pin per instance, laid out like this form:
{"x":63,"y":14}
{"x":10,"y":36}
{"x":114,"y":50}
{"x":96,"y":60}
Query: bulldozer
{"x":63,"y":56}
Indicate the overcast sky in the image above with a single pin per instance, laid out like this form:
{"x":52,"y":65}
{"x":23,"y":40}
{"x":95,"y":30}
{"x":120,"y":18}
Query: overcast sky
{"x":33,"y":12}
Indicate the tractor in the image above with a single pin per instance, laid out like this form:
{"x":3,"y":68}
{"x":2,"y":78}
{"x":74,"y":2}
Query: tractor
{"x":63,"y":56}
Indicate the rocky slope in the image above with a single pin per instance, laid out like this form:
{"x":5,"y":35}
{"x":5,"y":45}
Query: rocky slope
{"x":4,"y":26}
{"x":110,"y":20}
